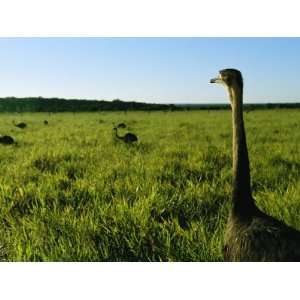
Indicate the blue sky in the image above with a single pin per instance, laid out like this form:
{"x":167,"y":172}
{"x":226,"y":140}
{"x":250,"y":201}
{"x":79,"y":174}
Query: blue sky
{"x":149,"y":69}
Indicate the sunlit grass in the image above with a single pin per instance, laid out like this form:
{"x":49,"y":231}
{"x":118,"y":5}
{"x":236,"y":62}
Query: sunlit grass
{"x":69,"y":191}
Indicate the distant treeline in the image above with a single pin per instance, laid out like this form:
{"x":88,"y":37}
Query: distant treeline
{"x":39,"y":104}
{"x":247,"y":107}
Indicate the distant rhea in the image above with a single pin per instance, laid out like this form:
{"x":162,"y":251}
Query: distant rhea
{"x":21,"y":125}
{"x":46,"y":122}
{"x":6,"y":140}
{"x":127,"y":138}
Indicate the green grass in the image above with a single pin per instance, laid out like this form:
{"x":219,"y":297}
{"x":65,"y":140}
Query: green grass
{"x":70,"y":192}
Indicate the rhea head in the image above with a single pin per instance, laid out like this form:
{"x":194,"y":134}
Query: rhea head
{"x":232,"y":79}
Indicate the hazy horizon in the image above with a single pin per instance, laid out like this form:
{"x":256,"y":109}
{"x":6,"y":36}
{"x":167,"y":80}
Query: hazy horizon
{"x":216,"y":102}
{"x":152,"y":70}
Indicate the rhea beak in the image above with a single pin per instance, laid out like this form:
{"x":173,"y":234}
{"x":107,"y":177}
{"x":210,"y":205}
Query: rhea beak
{"x":217,"y":80}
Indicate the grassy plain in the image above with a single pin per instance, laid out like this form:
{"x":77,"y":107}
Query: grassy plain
{"x":70,"y":191}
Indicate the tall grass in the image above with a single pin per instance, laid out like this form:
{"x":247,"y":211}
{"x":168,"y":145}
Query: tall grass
{"x":70,"y":191}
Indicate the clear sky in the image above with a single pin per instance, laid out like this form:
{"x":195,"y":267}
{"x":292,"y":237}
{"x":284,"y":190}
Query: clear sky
{"x":168,"y":70}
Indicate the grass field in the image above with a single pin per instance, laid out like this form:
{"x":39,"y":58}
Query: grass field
{"x":70,"y":191}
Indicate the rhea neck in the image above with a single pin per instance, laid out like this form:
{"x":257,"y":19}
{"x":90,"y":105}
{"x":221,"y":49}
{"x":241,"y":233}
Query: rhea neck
{"x":117,"y":135}
{"x":243,"y":204}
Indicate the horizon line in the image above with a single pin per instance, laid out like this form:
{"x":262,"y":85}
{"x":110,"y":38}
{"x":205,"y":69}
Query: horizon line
{"x":196,"y":102}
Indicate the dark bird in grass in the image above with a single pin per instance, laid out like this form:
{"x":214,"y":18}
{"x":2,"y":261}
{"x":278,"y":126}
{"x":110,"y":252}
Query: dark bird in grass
{"x":46,"y":122}
{"x":6,"y":140}
{"x":127,"y":138}
{"x":251,"y":235}
{"x":21,"y":125}
{"x":121,"y":125}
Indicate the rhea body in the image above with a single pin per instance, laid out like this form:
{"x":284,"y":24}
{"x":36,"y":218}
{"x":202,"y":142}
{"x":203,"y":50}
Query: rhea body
{"x":21,"y":125}
{"x":250,"y":235}
{"x":127,"y":138}
{"x":6,"y":140}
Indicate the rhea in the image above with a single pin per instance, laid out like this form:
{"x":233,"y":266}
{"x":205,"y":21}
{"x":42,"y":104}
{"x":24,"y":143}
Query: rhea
{"x":250,"y":235}
{"x":127,"y":138}
{"x":21,"y":125}
{"x":6,"y":140}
